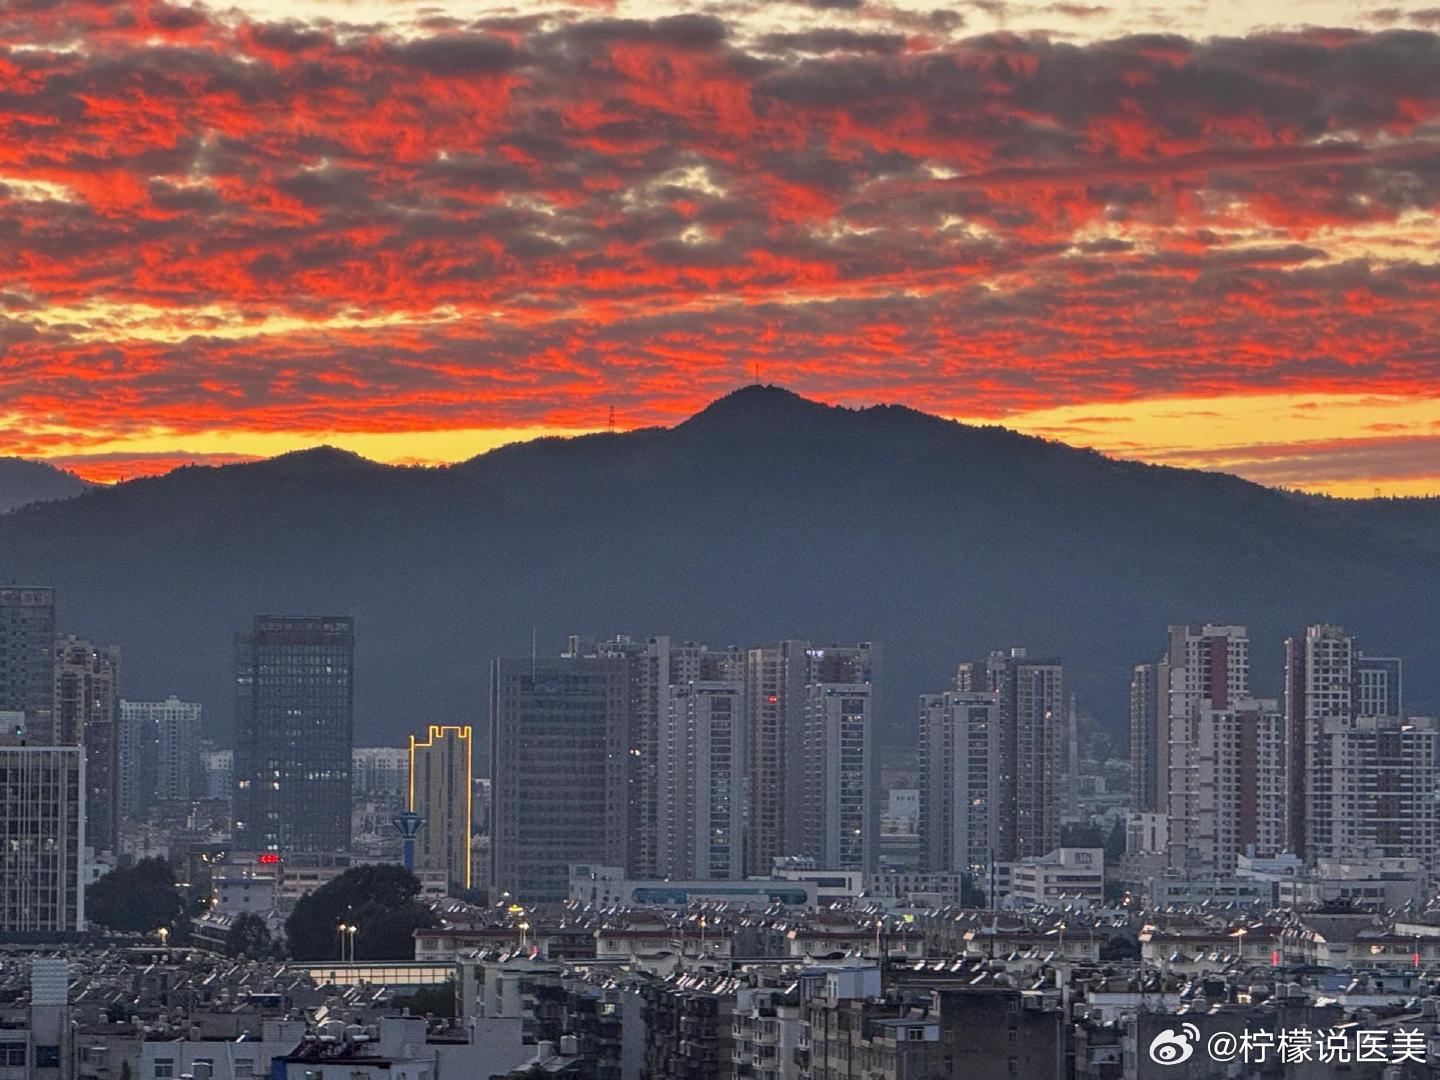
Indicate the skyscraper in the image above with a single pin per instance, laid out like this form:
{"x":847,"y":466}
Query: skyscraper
{"x":1380,"y":799}
{"x":775,"y":751}
{"x":559,"y":758}
{"x":1203,"y":667}
{"x":42,"y":821}
{"x":159,"y":752}
{"x":86,"y":712}
{"x":840,"y":808}
{"x":959,"y":780}
{"x":778,"y":680}
{"x":1353,"y":777}
{"x":653,"y":666}
{"x":294,"y":714}
{"x":442,"y":792}
{"x":1237,"y":803}
{"x":1149,"y":742}
{"x":27,"y":643}
{"x":1032,"y":702}
{"x":701,"y":782}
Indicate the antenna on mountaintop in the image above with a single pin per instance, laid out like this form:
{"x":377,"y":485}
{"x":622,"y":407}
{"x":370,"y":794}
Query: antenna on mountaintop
{"x":611,"y":424}
{"x":757,"y":372}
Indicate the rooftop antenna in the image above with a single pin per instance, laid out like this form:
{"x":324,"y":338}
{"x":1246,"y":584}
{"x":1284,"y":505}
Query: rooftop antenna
{"x":534,"y":651}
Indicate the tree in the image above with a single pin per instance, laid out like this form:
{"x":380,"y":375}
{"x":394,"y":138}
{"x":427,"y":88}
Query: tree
{"x":434,"y":1000}
{"x":379,"y":900}
{"x":1115,"y":842}
{"x":248,"y":936}
{"x":142,"y":898}
{"x":1120,"y":947}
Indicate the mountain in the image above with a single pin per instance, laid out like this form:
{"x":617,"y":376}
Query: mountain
{"x":764,"y":516}
{"x":23,"y":482}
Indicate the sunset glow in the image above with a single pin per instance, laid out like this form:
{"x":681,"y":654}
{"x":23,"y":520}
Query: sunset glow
{"x":1208,"y":240}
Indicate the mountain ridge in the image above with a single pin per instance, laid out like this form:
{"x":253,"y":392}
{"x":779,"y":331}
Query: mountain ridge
{"x":764,"y":516}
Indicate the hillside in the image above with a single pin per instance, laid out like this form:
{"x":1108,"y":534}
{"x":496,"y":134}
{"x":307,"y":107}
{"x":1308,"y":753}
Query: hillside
{"x":23,"y":482}
{"x":764,"y":516}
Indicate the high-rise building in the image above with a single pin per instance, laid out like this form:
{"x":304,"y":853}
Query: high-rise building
{"x":653,"y":666}
{"x":42,"y":823}
{"x":85,"y":711}
{"x":560,"y":740}
{"x":1376,"y":789}
{"x":778,"y":679}
{"x":840,"y":808}
{"x":1378,"y":685}
{"x":27,"y":643}
{"x":959,"y":781}
{"x":380,"y":772}
{"x":1033,"y":710}
{"x":442,"y":792}
{"x":1238,"y":801}
{"x":159,"y":752}
{"x":1329,"y":684}
{"x":294,"y":716}
{"x":217,"y":767}
{"x":701,"y":782}
{"x":1203,"y":667}
{"x":1149,"y":741}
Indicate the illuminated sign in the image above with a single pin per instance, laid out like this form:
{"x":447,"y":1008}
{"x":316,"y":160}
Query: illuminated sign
{"x":268,"y":858}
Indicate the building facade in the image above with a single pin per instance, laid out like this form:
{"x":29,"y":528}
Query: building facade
{"x":840,"y":792}
{"x":27,"y":644}
{"x":560,"y":745}
{"x":959,"y":781}
{"x":702,"y":782}
{"x":86,"y":712}
{"x":159,"y":752}
{"x":442,"y":792}
{"x":1033,"y":710}
{"x":42,"y":818}
{"x":294,"y":713}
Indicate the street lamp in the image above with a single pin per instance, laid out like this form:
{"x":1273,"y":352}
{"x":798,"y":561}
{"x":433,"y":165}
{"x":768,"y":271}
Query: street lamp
{"x":352,"y":930}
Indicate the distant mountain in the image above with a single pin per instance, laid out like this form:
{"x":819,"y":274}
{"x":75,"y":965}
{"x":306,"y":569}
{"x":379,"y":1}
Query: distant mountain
{"x":764,"y":516}
{"x":23,"y":482}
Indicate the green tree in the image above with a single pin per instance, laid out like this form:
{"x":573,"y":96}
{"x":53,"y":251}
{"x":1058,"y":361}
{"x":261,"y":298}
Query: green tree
{"x":248,"y":936}
{"x":380,"y":900}
{"x":142,"y":898}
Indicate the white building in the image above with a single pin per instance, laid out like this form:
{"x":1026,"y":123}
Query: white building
{"x":839,"y":797}
{"x":960,"y":778}
{"x":1065,"y":876}
{"x":218,"y":767}
{"x":380,"y":772}
{"x":701,"y":808}
{"x":159,"y":752}
{"x":1237,"y":791}
{"x":1205,"y":667}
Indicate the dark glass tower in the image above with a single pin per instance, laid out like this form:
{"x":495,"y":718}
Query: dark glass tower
{"x":27,"y":641}
{"x":559,"y":734}
{"x":294,"y":698}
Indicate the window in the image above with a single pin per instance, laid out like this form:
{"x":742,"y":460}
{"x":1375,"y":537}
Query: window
{"x":164,"y":1068}
{"x":12,"y":1055}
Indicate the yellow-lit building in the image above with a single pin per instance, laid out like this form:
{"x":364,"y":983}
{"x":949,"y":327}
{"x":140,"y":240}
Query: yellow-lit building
{"x":442,"y":793}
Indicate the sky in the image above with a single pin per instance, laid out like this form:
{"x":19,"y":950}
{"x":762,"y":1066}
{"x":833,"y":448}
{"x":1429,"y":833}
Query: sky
{"x":1189,"y":233}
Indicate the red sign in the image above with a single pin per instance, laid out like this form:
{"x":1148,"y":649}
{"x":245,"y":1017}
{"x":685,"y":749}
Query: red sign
{"x":268,"y":858}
